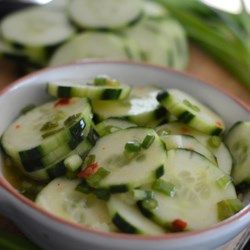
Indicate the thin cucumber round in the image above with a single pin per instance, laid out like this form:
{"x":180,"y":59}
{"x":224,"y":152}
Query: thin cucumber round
{"x":141,"y":108}
{"x":108,"y":14}
{"x":198,"y":187}
{"x":36,"y":27}
{"x":74,"y":88}
{"x":127,"y":169}
{"x":111,"y":125}
{"x":238,"y":142}
{"x":187,"y":142}
{"x":60,"y":198}
{"x":45,"y":128}
{"x":221,"y":152}
{"x":58,"y":168}
{"x":128,"y":219}
{"x":191,"y":111}
{"x":94,"y":45}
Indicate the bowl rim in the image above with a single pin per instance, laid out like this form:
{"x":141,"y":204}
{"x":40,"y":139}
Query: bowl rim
{"x":122,"y":236}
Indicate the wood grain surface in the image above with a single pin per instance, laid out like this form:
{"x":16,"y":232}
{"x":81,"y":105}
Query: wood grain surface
{"x":201,"y":66}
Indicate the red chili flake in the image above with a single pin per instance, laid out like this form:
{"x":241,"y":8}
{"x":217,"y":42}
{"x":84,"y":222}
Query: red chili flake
{"x":62,"y":102}
{"x":89,"y":170}
{"x":218,"y":124}
{"x":18,"y":126}
{"x":185,"y":130}
{"x":179,"y":225}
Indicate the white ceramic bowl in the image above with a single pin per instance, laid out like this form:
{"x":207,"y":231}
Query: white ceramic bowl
{"x":51,"y":232}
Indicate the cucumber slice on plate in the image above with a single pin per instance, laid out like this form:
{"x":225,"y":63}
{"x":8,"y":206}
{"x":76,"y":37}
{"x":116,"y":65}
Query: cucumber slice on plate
{"x":199,"y":186}
{"x":238,"y":141}
{"x":78,"y":88}
{"x":60,"y":198}
{"x":191,"y":111}
{"x":187,"y":142}
{"x":220,"y":151}
{"x":128,"y":219}
{"x":111,"y":125}
{"x":129,"y":163}
{"x":43,"y":129}
{"x":141,"y":108}
{"x":109,"y":14}
{"x":95,"y":45}
{"x":36,"y":27}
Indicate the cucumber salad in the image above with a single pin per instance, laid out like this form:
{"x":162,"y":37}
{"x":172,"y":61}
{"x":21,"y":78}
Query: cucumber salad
{"x":136,"y":160}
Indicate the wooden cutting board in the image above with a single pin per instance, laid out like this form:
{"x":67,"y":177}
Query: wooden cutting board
{"x":201,"y":66}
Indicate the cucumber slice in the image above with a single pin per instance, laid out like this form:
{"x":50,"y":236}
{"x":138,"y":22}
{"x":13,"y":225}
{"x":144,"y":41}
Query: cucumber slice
{"x":111,"y":125}
{"x":36,"y":27}
{"x":128,"y":172}
{"x":176,"y":36}
{"x":127,"y":217}
{"x":191,"y":111}
{"x":111,"y":14}
{"x":58,"y":168}
{"x":60,"y":198}
{"x":43,"y":129}
{"x":141,"y":108}
{"x":198,"y":189}
{"x":74,"y":88}
{"x":187,"y":142}
{"x":152,"y":43}
{"x":238,"y":142}
{"x":94,"y":45}
{"x":222,"y":154}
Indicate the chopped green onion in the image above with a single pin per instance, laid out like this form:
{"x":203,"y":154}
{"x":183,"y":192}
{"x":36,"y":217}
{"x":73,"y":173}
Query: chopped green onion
{"x":150,"y":204}
{"x":72,"y":119}
{"x":83,"y":187}
{"x":49,"y":133}
{"x":49,"y":126}
{"x":148,"y":140}
{"x":142,"y":194}
{"x":227,"y":208}
{"x":94,"y":179}
{"x":214,"y":141}
{"x":164,"y":187}
{"x":133,"y":147}
{"x":27,"y":108}
{"x":224,"y":181}
{"x":102,"y":194}
{"x":73,"y":162}
{"x":89,"y":160}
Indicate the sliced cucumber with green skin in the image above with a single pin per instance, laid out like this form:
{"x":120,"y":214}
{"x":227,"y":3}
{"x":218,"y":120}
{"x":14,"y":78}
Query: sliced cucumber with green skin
{"x":58,"y":168}
{"x":187,"y":142}
{"x":60,"y":198}
{"x":199,"y":186}
{"x":191,"y":111}
{"x":36,"y":27}
{"x":141,"y":108}
{"x":238,"y":142}
{"x":109,"y":14}
{"x":111,"y":125}
{"x":152,"y":43}
{"x":127,"y":172}
{"x":127,"y":217}
{"x":74,"y":88}
{"x":93,"y":45}
{"x":45,"y":128}
{"x":222,"y":154}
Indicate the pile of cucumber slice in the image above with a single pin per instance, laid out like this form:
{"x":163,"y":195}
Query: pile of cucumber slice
{"x":138,"y":160}
{"x":137,"y":30}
